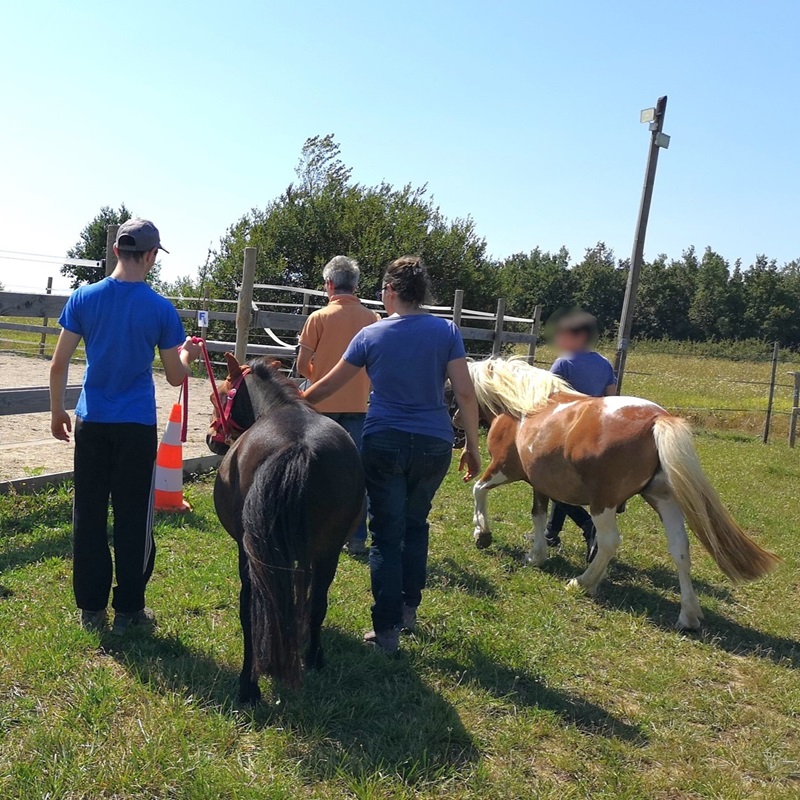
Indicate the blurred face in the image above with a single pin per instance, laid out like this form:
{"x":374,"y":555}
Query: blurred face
{"x":389,"y":298}
{"x":571,"y":341}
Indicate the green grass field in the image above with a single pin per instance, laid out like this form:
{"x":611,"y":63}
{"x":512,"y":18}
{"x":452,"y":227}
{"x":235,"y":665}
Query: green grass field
{"x":512,"y":688}
{"x":713,"y":392}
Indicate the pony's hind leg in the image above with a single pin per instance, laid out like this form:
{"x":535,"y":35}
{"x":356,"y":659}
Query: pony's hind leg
{"x":608,"y":539}
{"x":537,"y":554}
{"x":249,"y":692}
{"x":322,"y":576}
{"x":660,"y":498}
{"x":491,"y":478}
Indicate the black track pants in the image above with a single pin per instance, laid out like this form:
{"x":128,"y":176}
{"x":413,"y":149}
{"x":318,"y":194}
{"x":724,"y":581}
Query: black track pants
{"x":113,"y":460}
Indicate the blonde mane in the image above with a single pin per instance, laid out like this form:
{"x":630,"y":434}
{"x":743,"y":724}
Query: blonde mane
{"x":512,"y":386}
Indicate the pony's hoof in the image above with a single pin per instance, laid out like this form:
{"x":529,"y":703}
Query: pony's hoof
{"x":535,"y":558}
{"x":575,"y":585}
{"x":689,"y":623}
{"x":249,"y":697}
{"x":482,"y":539}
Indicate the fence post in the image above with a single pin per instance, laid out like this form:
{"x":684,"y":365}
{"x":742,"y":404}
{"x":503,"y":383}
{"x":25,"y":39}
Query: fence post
{"x":795,"y":410}
{"x":111,"y":239}
{"x":537,"y":323}
{"x":43,"y":340}
{"x":458,"y":304}
{"x":771,"y":399}
{"x":244,"y":308}
{"x":497,"y":342}
{"x":206,"y":298}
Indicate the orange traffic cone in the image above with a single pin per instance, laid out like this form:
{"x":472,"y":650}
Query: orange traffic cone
{"x":169,"y":466}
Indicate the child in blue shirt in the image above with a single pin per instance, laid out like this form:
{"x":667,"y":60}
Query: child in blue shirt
{"x":121,"y":320}
{"x":590,"y":373}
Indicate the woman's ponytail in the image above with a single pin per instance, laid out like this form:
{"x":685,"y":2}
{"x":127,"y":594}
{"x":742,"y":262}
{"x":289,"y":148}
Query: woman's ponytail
{"x":409,"y":278}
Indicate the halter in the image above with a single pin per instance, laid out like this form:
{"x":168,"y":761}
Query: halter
{"x":226,"y":429}
{"x":223,"y":424}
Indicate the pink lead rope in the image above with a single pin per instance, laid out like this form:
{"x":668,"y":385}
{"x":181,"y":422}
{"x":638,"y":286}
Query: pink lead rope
{"x":214,"y":393}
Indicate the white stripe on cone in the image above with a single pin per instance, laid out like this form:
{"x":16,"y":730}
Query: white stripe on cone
{"x":169,"y":480}
{"x":172,"y":434}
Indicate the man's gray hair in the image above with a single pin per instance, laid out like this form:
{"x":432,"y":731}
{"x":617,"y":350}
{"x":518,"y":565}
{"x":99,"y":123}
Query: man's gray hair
{"x":343,"y":273}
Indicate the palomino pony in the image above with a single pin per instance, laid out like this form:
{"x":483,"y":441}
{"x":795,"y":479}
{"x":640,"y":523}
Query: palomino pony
{"x":599,"y":452}
{"x":290,"y":491}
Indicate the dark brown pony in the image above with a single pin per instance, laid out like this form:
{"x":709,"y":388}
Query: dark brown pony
{"x":290,"y":491}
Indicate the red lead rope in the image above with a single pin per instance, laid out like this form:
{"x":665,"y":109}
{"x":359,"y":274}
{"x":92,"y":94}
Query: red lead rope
{"x":214,"y":393}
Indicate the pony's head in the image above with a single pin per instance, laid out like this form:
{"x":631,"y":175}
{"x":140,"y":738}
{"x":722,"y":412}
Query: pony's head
{"x":512,"y":386}
{"x":247,"y":392}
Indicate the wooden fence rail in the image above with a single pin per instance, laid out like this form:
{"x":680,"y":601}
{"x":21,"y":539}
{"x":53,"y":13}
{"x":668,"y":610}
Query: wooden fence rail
{"x":250,"y":314}
{"x":34,"y":399}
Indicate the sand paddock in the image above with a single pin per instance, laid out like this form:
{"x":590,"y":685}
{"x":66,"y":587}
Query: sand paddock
{"x":26,"y":446}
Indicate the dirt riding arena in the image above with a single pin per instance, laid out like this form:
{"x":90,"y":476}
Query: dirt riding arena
{"x":28,"y":449}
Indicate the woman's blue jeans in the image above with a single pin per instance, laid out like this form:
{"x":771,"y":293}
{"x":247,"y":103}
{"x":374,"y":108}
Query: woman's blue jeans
{"x":403,"y":472}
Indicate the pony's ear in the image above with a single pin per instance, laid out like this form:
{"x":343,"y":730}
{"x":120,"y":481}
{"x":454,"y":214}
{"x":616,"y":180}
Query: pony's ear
{"x":234,"y":370}
{"x":276,"y":365}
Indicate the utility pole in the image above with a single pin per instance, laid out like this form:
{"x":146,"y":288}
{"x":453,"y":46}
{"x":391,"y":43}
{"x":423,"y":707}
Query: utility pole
{"x":658,"y":139}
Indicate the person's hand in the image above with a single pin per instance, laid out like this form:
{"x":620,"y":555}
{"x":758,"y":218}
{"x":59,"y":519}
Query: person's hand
{"x":60,"y":425}
{"x":471,"y":461}
{"x":193,"y":351}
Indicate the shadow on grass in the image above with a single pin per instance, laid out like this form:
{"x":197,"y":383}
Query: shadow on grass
{"x":47,"y":515}
{"x":665,"y":578}
{"x":523,"y":688}
{"x":363,"y":713}
{"x":619,"y":591}
{"x":57,"y":545}
{"x":198,"y":521}
{"x":447,"y":573}
{"x":717,"y":631}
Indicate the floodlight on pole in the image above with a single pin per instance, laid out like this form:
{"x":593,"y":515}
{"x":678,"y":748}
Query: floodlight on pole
{"x":658,"y":140}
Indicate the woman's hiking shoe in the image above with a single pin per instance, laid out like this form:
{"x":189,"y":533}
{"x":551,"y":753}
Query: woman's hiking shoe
{"x":94,"y":620}
{"x":124,"y":621}
{"x":387,"y":641}
{"x":409,"y":623}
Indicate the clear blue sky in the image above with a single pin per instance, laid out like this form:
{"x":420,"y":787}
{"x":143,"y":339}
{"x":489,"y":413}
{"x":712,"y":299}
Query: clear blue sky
{"x":522,"y":114}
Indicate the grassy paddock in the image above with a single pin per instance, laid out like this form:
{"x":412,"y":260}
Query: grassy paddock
{"x":512,"y":688}
{"x":714,"y":392}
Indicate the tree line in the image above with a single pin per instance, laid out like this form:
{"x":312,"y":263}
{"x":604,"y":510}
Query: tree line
{"x":324,"y":212}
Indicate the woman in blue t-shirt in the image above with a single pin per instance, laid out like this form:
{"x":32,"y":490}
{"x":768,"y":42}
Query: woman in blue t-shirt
{"x":408,"y":437}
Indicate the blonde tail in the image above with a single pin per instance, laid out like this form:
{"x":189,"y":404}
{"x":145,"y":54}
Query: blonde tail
{"x":738,"y":556}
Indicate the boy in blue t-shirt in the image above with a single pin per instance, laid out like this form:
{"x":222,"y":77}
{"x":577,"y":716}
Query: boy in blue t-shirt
{"x":121,"y":320}
{"x":590,"y":373}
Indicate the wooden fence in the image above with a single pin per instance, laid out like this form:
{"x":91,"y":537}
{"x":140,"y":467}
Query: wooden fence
{"x":248,"y":315}
{"x":277,"y":321}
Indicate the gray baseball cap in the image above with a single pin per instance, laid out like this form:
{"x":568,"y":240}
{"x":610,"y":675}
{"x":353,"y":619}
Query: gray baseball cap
{"x":138,"y":235}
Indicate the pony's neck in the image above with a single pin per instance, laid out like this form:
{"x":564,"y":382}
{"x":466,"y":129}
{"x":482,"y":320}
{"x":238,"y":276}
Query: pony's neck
{"x":268,"y":392}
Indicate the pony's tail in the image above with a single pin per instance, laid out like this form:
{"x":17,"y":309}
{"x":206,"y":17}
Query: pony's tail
{"x":278,"y":553}
{"x":738,"y":556}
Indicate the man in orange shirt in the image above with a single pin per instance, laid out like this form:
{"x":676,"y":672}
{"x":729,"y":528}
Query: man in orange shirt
{"x":323,"y":340}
